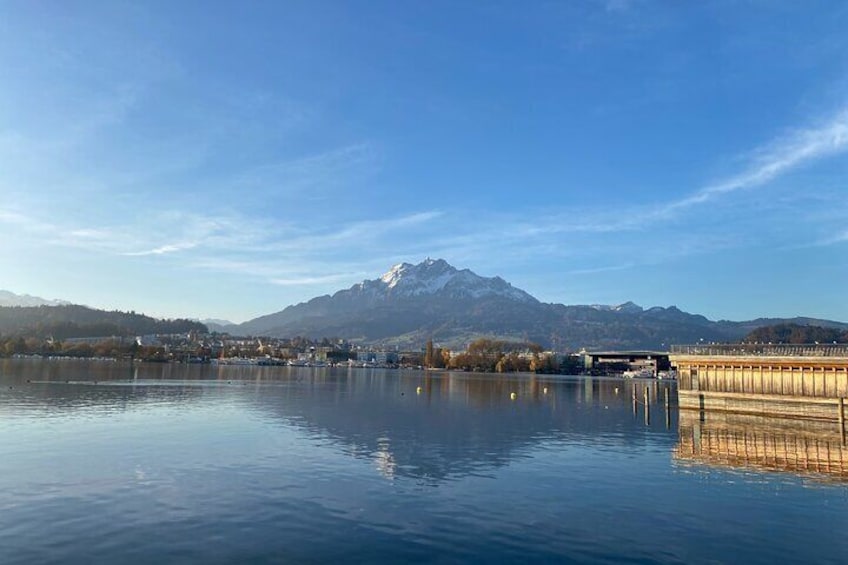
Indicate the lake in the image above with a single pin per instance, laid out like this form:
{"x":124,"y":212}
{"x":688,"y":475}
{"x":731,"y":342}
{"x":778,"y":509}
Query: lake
{"x":108,"y":462}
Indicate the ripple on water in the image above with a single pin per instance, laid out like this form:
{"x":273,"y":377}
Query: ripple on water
{"x":265,"y":466}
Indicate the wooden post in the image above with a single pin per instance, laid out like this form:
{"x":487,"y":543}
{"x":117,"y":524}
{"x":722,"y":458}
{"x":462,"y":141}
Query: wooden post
{"x":635,"y":400}
{"x":667,"y":410}
{"x":841,"y":407}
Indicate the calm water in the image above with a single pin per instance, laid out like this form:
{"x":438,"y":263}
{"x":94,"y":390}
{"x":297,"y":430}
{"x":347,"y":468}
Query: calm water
{"x":108,"y":463}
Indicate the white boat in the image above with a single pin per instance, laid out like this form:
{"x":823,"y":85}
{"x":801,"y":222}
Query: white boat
{"x":638,"y":374}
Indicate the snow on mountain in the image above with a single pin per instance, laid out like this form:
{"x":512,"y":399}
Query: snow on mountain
{"x":216,"y":322}
{"x":627,"y":307}
{"x":8,"y":298}
{"x":411,"y":304}
{"x":437,"y":276}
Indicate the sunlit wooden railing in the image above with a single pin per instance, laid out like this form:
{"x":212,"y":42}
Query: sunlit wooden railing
{"x":764,"y":350}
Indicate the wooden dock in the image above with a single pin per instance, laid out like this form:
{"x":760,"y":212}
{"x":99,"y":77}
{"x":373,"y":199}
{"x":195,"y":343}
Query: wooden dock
{"x":791,"y":381}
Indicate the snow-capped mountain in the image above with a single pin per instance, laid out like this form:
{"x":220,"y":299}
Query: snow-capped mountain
{"x":628,"y":306}
{"x":410,"y":304}
{"x":407,"y":298}
{"x":437,"y":277}
{"x":8,"y":298}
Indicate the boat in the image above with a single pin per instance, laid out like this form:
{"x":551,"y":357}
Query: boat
{"x":638,"y":374}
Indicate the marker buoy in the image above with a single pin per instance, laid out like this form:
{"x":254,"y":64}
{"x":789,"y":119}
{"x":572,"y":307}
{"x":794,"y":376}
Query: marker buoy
{"x":512,"y":395}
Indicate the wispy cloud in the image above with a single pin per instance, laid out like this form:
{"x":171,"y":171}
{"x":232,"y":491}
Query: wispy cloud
{"x":321,"y":169}
{"x":766,"y":164}
{"x":604,"y":269}
{"x":163,"y":249}
{"x":353,"y":234}
{"x":313,"y":280}
{"x":841,"y":237}
{"x":777,"y":158}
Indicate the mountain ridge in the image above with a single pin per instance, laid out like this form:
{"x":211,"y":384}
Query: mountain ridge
{"x":73,"y":320}
{"x":410,"y":304}
{"x":10,"y":299}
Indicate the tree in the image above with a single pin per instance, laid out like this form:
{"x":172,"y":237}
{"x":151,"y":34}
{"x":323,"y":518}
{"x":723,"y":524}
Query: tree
{"x":446,"y":357}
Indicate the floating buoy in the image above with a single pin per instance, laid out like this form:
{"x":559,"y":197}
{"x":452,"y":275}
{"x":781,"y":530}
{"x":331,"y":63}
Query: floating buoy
{"x":545,"y":390}
{"x":418,"y":390}
{"x":512,"y":395}
{"x":616,"y":390}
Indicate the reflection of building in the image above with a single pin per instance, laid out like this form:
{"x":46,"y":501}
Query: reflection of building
{"x":762,"y":443}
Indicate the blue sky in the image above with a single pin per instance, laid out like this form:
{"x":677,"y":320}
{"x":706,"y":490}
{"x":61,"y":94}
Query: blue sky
{"x":227,"y":159}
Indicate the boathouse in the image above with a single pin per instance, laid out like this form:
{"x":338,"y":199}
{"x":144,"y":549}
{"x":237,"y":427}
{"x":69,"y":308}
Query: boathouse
{"x":795,"y":381}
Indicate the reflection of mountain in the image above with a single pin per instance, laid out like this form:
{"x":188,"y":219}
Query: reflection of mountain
{"x":460,"y":424}
{"x":762,"y":443}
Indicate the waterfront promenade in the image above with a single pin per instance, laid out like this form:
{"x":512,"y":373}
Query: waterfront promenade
{"x":796,"y":381}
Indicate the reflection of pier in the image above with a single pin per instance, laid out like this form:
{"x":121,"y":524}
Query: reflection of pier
{"x":762,"y":443}
{"x":795,"y":381}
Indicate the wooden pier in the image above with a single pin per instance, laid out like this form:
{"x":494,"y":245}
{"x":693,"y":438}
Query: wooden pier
{"x":791,"y":381}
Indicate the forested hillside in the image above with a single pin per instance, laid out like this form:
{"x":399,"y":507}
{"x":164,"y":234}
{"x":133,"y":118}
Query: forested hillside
{"x":61,"y":322}
{"x":796,"y":333}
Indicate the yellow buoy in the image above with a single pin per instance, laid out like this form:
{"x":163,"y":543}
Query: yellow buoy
{"x":418,"y":390}
{"x":512,"y":395}
{"x":545,"y":390}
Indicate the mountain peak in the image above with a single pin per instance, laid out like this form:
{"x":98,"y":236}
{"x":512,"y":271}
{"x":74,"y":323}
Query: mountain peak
{"x":8,"y":298}
{"x":437,"y":276}
{"x":428,"y":268}
{"x":629,"y":307}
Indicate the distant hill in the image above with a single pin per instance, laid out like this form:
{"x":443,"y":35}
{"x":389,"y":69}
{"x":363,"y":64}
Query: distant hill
{"x":217,"y":325}
{"x":66,"y":321}
{"x":8,"y":298}
{"x":797,"y":333}
{"x":433,"y":300}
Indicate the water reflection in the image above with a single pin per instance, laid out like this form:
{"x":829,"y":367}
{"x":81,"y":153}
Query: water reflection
{"x":441,"y":426}
{"x":759,"y":443}
{"x":430,"y":426}
{"x":110,"y":462}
